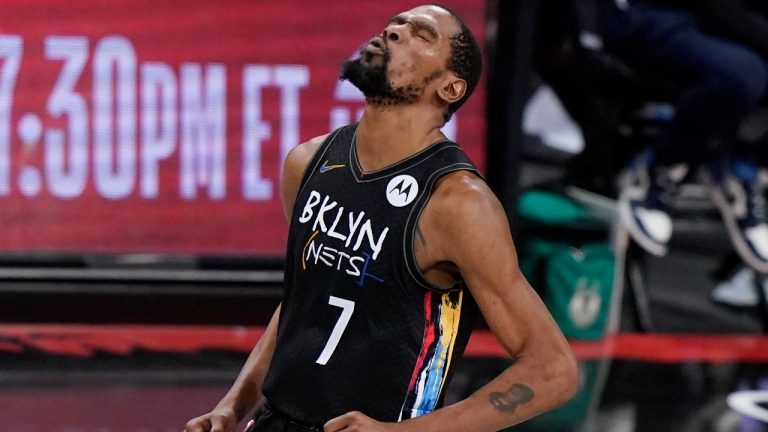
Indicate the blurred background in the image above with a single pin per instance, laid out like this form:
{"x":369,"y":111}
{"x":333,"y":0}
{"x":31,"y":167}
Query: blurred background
{"x":142,"y":237}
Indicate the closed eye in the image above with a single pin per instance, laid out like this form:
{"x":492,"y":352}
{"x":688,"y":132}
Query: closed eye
{"x":424,"y":31}
{"x":421,"y":29}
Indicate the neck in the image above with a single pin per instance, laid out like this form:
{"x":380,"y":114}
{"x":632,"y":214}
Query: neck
{"x":388,"y":134}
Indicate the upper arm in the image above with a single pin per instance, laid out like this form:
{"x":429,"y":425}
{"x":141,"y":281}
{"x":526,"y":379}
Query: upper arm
{"x":293,"y":170}
{"x":476,"y":238}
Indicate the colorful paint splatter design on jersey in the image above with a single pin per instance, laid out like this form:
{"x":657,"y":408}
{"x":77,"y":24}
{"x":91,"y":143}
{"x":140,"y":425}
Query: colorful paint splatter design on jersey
{"x":442,"y":315}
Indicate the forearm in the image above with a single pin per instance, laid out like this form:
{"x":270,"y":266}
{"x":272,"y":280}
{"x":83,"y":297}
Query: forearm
{"x":527,"y":388}
{"x":245,"y":392}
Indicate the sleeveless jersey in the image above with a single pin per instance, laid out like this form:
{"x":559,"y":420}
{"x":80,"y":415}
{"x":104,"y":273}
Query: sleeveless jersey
{"x":360,"y":326}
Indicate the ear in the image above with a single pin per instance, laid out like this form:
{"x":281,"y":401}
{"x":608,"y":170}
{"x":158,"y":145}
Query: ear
{"x":452,"y":89}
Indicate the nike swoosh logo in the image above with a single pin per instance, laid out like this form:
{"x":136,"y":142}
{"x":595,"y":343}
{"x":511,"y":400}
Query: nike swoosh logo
{"x":325,"y":167}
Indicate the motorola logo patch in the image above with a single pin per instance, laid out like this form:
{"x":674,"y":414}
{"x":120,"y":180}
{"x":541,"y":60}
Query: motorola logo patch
{"x":402,"y":190}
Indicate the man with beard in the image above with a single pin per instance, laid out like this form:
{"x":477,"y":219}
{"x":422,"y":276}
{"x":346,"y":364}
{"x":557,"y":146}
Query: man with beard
{"x":395,"y":241}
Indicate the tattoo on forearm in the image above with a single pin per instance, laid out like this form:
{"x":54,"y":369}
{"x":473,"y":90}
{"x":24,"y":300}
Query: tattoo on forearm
{"x":509,"y":400}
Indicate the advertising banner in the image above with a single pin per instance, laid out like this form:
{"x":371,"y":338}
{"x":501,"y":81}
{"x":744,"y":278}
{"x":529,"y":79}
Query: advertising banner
{"x":160,"y":126}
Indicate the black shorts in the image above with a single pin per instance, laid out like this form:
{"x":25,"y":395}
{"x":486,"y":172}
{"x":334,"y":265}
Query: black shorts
{"x":269,"y":419}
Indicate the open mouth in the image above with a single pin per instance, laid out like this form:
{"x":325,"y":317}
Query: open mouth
{"x":373,"y":49}
{"x":375,"y":46}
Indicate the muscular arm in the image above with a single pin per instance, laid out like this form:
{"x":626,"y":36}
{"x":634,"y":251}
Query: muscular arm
{"x":464,"y":225}
{"x":467,"y":226}
{"x":245,"y":393}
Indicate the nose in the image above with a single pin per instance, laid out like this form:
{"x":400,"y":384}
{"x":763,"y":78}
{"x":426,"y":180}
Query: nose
{"x":392,"y":33}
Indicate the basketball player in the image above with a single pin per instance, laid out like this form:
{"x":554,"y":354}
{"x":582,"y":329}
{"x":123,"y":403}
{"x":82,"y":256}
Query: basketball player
{"x":395,"y":240}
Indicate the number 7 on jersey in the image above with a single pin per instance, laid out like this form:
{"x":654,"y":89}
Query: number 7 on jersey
{"x":347,"y":308}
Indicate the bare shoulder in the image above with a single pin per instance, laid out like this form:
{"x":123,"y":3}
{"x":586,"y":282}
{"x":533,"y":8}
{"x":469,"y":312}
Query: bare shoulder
{"x":293,"y":169}
{"x":466,"y":224}
{"x":461,"y":197}
{"x":298,"y":158}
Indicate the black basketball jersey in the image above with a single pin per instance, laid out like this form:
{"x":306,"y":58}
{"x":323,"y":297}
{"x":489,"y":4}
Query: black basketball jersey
{"x":360,"y":327}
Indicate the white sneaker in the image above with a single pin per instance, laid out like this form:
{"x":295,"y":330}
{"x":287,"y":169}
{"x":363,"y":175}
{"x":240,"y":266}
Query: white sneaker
{"x":740,"y":290}
{"x":738,"y":188}
{"x":643,"y":202}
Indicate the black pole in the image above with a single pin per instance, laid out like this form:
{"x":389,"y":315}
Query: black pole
{"x":509,"y":80}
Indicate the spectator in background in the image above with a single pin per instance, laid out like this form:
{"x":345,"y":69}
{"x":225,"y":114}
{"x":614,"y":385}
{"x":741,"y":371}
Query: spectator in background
{"x":745,"y":22}
{"x":721,"y":79}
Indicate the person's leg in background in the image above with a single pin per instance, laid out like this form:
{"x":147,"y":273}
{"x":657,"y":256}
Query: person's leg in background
{"x":720,"y":82}
{"x":728,"y":81}
{"x":580,"y":83}
{"x":735,"y":82}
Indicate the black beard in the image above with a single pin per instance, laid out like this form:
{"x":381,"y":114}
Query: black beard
{"x":373,"y":82}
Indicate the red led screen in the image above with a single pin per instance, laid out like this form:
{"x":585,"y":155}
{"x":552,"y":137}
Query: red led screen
{"x":160,"y":126}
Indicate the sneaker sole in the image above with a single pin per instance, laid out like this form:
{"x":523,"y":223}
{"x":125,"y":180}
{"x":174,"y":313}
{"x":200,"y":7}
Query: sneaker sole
{"x":637,"y":234}
{"x":738,"y":242}
{"x":733,"y":303}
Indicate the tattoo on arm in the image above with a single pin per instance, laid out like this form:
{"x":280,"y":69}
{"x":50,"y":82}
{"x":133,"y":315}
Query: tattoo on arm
{"x":508,"y":401}
{"x":420,"y":235}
